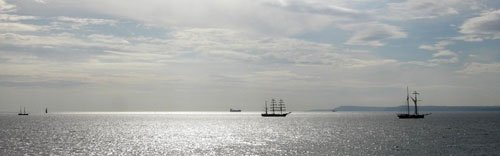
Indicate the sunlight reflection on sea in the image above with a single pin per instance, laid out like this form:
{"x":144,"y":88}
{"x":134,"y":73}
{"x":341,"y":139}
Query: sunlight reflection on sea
{"x":246,"y":133}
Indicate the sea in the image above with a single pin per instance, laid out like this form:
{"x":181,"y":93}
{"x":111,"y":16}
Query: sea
{"x":247,"y":133}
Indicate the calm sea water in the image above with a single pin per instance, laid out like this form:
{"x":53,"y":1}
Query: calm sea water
{"x":339,"y":133}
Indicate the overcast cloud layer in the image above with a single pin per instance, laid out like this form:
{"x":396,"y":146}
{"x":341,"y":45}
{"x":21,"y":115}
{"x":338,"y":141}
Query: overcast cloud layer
{"x":199,"y":55}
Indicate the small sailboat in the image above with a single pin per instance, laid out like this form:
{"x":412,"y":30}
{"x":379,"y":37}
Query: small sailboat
{"x":46,"y":110}
{"x":276,"y":109}
{"x":415,"y":100}
{"x":22,"y":112}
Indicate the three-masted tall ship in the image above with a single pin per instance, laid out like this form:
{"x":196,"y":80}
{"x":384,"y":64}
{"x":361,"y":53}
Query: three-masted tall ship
{"x":415,"y":100}
{"x":277,"y":109}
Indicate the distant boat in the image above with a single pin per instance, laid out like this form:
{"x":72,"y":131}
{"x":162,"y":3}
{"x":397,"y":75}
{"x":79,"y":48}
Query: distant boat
{"x":415,"y":100}
{"x":234,"y":110}
{"x":22,"y":112}
{"x":276,"y":109}
{"x":333,"y":110}
{"x":46,"y":110}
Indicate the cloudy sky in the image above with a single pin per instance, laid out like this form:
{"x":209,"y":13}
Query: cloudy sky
{"x":210,"y":55}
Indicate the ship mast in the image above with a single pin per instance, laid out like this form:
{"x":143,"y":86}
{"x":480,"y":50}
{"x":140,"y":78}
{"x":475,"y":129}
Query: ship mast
{"x":273,"y":105}
{"x":281,"y":105}
{"x":415,"y":101}
{"x":266,"y":107}
{"x":408,"y":100}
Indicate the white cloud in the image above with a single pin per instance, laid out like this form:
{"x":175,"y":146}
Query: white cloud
{"x":288,"y":18}
{"x":270,"y":76}
{"x":6,"y":7}
{"x":64,"y":23}
{"x":107,"y":39}
{"x":260,"y":46}
{"x":255,"y":48}
{"x":323,"y":8}
{"x":232,"y":55}
{"x":69,"y":42}
{"x":373,"y":33}
{"x":36,"y":40}
{"x":485,"y":26}
{"x":437,"y":46}
{"x":366,"y":30}
{"x":218,"y":44}
{"x":87,"y":21}
{"x":441,"y":53}
{"x":41,"y":1}
{"x":422,"y":63}
{"x":444,"y":53}
{"x":99,"y":53}
{"x":426,"y":9}
{"x":362,"y":63}
{"x":437,"y":60}
{"x":16,"y":27}
{"x":9,"y":22}
{"x":480,"y":68}
{"x":9,"y":17}
{"x":226,"y":14}
{"x":30,"y":71}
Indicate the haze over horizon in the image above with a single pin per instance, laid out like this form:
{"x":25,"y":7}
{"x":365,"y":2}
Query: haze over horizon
{"x":199,"y":55}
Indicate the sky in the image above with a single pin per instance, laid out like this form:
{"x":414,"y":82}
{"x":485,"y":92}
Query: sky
{"x":212,"y":55}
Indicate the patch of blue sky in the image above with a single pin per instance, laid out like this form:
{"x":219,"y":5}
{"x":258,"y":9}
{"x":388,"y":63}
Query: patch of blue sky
{"x":487,"y":50}
{"x":329,"y":35}
{"x":130,"y":29}
{"x":377,"y":4}
{"x":59,"y":54}
{"x":419,"y":32}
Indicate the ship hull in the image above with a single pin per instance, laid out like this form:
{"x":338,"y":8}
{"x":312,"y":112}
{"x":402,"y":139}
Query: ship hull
{"x":274,"y":115}
{"x":410,"y":116}
{"x":22,"y":114}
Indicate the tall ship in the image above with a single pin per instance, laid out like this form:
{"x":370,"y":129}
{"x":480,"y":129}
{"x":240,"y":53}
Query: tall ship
{"x":276,"y":109}
{"x":415,"y":100}
{"x":22,"y":112}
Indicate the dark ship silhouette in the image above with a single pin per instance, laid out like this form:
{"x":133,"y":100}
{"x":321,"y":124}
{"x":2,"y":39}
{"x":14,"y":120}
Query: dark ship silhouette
{"x":22,"y":112}
{"x":276,"y":109}
{"x":415,"y":100}
{"x":234,"y":110}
